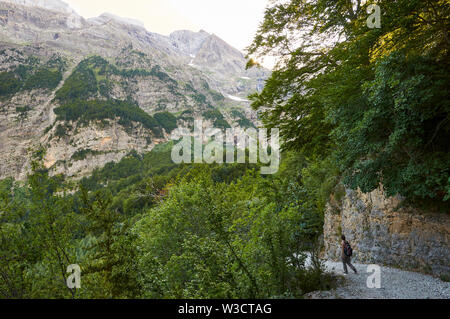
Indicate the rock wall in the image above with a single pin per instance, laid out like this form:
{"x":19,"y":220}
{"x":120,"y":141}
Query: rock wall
{"x":381,"y":231}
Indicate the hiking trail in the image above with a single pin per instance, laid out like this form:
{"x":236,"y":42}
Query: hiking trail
{"x":395,"y":284}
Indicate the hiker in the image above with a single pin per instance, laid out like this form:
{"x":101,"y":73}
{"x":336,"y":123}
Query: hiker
{"x":347,"y":253}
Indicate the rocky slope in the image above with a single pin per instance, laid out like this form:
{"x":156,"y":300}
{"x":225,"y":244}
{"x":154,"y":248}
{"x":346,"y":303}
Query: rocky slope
{"x":87,"y":92}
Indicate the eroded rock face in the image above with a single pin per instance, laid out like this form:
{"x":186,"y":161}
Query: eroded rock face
{"x":86,"y":148}
{"x":22,"y":120}
{"x":383,"y":232}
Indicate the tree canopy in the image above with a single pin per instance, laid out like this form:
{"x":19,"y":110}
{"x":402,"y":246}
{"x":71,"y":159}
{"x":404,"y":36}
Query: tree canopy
{"x":375,"y":100}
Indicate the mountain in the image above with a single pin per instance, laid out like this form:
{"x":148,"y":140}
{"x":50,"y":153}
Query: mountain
{"x":209,"y":52}
{"x":54,"y":5}
{"x":84,"y":92}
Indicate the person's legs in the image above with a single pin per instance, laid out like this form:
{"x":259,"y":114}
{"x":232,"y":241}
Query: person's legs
{"x":344,"y":262}
{"x":351,"y":266}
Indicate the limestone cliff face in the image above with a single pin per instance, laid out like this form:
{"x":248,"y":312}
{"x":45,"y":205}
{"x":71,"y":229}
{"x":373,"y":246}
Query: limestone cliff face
{"x":383,"y":232}
{"x":84,"y":149}
{"x":46,"y":48}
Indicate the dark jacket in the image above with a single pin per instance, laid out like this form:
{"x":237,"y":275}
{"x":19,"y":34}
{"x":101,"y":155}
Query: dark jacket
{"x":343,"y":255}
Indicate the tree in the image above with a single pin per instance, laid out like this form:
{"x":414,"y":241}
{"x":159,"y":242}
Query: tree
{"x":345,"y":91}
{"x":237,"y":239}
{"x":108,"y":264}
{"x":37,"y":232}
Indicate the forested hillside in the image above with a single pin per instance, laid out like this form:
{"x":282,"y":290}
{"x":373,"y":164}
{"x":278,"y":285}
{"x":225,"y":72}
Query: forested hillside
{"x":368,"y":105}
{"x":90,"y":91}
{"x":358,"y":108}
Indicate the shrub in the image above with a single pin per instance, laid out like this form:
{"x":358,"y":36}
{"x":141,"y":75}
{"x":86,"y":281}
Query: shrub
{"x":217,"y":119}
{"x":166,"y":120}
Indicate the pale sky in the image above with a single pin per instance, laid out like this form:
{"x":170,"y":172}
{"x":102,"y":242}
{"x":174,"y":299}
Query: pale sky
{"x":235,"y":21}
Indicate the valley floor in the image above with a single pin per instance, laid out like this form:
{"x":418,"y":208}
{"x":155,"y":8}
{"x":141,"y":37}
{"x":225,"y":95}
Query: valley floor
{"x":395,"y":284}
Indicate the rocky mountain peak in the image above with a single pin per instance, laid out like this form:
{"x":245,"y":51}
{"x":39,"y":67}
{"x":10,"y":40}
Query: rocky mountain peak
{"x":143,"y":84}
{"x":54,"y":5}
{"x":187,"y":41}
{"x":104,"y":17}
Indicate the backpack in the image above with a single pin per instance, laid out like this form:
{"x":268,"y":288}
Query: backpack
{"x":348,"y":251}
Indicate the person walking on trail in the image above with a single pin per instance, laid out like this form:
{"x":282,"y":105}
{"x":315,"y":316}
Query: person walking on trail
{"x":347,"y":253}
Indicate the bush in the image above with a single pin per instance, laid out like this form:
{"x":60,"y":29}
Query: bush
{"x":43,"y":78}
{"x":400,"y":137}
{"x":81,"y":84}
{"x":32,"y":75}
{"x":242,"y":244}
{"x":9,"y":84}
{"x":166,"y":120}
{"x":217,"y":119}
{"x":241,"y":119}
{"x":83,"y":154}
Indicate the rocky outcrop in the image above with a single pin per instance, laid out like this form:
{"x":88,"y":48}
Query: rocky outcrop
{"x":382,"y":231}
{"x":54,"y":5}
{"x":86,"y":148}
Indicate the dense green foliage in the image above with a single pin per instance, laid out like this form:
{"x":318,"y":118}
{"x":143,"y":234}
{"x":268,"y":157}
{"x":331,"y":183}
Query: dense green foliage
{"x":36,"y":234}
{"x":147,"y":228}
{"x":92,"y":78}
{"x":32,"y":74}
{"x":132,"y":169}
{"x":403,"y":132}
{"x":83,"y":154}
{"x":237,"y":246}
{"x":9,"y":83}
{"x":217,"y":119}
{"x":81,"y":84}
{"x":44,"y":78}
{"x":87,"y":111}
{"x":374,"y":103}
{"x":166,"y":120}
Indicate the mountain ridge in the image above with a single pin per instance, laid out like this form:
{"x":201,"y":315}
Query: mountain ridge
{"x":52,"y":59}
{"x":63,"y":7}
{"x":54,"y":5}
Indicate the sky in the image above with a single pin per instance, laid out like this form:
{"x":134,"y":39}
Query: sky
{"x":235,"y":21}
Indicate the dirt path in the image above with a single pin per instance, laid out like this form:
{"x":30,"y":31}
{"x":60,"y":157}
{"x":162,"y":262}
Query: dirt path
{"x":395,"y":284}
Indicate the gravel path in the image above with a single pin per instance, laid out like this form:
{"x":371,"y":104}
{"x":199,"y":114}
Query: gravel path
{"x":395,"y":284}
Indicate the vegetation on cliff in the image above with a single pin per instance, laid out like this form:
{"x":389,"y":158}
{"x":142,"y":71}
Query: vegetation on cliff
{"x":369,"y":107}
{"x":217,"y":119}
{"x":86,"y":96}
{"x":126,"y":112}
{"x":32,"y":74}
